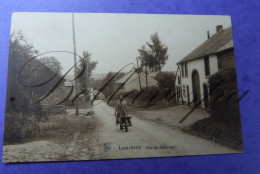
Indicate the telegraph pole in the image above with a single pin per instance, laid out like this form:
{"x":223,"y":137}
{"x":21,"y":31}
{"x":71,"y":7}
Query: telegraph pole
{"x":138,"y":73}
{"x":75,"y":65}
{"x":87,"y":82}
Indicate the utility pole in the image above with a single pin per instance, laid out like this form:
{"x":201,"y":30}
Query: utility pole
{"x":75,"y":65}
{"x":146,"y":76}
{"x":87,"y":81}
{"x":87,"y":73}
{"x":138,"y":73}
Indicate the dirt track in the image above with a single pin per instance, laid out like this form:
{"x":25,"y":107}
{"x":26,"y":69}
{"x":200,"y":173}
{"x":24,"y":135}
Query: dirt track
{"x":148,"y":136}
{"x":106,"y":141}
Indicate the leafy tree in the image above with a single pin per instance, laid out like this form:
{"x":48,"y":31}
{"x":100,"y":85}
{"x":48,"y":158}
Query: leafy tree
{"x":110,"y":88}
{"x":96,"y":84}
{"x":154,"y":55}
{"x":84,"y":80}
{"x":19,"y":53}
{"x":25,"y":74}
{"x":145,"y":59}
{"x":52,"y":63}
{"x":25,"y":71}
{"x":166,"y":80}
{"x":224,"y":98}
{"x":157,"y":53}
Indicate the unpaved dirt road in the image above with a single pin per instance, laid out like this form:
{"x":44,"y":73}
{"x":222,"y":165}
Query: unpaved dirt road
{"x":147,"y":139}
{"x":98,"y":137}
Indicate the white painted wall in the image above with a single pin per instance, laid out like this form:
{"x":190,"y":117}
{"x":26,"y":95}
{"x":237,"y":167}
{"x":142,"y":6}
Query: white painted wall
{"x":198,"y":65}
{"x":213,"y":64}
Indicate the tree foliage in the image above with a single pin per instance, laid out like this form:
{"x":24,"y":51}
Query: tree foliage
{"x":224,"y":99}
{"x":52,"y":63}
{"x":110,"y":88}
{"x":84,"y":81}
{"x":26,"y":74}
{"x":166,"y":80}
{"x":19,"y":53}
{"x":153,"y":55}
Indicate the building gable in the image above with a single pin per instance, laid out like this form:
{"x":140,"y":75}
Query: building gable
{"x":211,"y":46}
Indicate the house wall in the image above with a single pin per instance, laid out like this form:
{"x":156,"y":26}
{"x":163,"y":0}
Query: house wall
{"x":133,"y":83}
{"x":213,"y":64}
{"x":130,"y":86}
{"x":199,"y":66}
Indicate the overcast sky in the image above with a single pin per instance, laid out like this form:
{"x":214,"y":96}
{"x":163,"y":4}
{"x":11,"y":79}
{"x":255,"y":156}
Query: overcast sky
{"x":114,"y":39}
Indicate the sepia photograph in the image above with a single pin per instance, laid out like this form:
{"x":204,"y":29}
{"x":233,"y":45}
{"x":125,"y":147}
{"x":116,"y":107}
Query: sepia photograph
{"x":96,"y":86}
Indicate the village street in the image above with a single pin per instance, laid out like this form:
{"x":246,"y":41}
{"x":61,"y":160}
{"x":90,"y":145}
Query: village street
{"x":106,"y":141}
{"x":147,"y":135}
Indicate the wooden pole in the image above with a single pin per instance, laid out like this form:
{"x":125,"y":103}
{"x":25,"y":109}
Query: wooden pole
{"x":75,"y":67}
{"x":146,"y":76}
{"x":138,"y":73}
{"x":87,"y":80}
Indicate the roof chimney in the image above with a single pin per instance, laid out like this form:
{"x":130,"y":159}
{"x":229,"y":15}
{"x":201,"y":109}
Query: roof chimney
{"x":219,"y":28}
{"x":208,"y":34}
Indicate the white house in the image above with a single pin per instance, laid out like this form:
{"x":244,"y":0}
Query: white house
{"x":194,"y":69}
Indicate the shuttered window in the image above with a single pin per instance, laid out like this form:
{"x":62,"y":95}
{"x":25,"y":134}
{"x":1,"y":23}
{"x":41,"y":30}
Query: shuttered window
{"x":207,"y":69}
{"x":186,"y":69}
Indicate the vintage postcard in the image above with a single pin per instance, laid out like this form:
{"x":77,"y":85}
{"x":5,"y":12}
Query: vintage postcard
{"x":112,"y":86}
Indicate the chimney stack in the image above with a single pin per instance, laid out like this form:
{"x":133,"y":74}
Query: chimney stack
{"x":208,"y":34}
{"x":219,"y":28}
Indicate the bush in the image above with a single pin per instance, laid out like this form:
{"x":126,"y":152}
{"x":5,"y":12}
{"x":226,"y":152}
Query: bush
{"x":224,"y":99}
{"x":19,"y":128}
{"x":166,"y":80}
{"x":223,"y":125}
{"x":50,"y":110}
{"x":149,"y":96}
{"x":218,"y":131}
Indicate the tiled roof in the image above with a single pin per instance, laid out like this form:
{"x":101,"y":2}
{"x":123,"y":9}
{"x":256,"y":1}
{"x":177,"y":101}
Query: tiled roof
{"x":227,"y":46}
{"x":210,"y":46}
{"x":134,"y":79}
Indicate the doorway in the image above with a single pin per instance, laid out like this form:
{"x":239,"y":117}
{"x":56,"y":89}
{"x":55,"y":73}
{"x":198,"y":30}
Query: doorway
{"x":206,"y":97}
{"x":196,"y":88}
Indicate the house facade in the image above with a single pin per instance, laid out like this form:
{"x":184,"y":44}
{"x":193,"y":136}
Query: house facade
{"x":194,"y":70}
